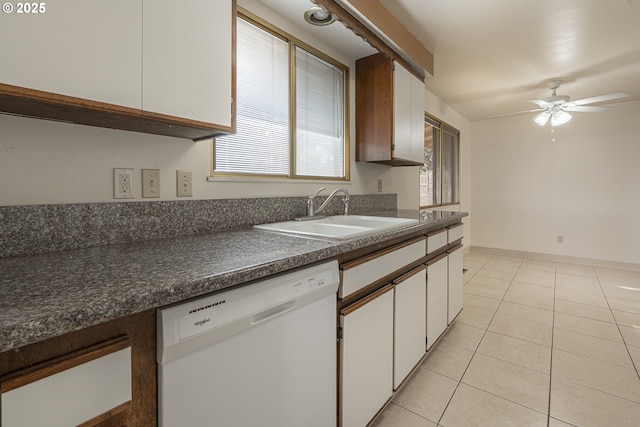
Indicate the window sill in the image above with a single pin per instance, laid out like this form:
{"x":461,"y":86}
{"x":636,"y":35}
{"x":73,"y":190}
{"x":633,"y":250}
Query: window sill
{"x":263,"y":179}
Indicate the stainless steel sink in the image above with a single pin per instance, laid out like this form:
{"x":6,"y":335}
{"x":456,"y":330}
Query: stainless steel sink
{"x":339,"y":226}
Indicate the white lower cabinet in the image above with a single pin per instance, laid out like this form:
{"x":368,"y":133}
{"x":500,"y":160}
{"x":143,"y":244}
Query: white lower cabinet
{"x":437,"y":296}
{"x":456,"y":282}
{"x":367,"y":357}
{"x":409,"y":325}
{"x":80,"y":390}
{"x":394,"y":301}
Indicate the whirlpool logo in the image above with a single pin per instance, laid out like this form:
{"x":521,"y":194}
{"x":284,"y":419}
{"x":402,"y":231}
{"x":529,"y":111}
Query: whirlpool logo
{"x":202,"y":322}
{"x":208,"y":307}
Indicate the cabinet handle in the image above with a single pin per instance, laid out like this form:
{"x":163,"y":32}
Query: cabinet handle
{"x":436,"y":259}
{"x":410,"y":274}
{"x":356,"y":305}
{"x":46,"y":369}
{"x":385,"y":251}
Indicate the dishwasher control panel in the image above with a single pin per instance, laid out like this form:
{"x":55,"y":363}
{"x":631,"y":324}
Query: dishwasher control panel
{"x":252,"y":303}
{"x":218,"y":310}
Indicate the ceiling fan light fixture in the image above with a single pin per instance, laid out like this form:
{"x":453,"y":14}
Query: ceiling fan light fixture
{"x":559,"y":118}
{"x":542,"y":118}
{"x":316,"y":15}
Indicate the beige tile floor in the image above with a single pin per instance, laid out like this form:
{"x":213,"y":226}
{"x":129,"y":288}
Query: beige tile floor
{"x":539,"y":343}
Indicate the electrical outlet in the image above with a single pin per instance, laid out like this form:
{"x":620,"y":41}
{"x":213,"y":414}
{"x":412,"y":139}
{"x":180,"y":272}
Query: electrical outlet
{"x":379,"y":185}
{"x":184,"y":185}
{"x":123,"y":183}
{"x":150,"y":182}
{"x":560,"y":239}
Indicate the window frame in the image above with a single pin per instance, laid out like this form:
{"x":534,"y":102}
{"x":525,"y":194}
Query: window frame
{"x":292,"y":43}
{"x":442,"y":127}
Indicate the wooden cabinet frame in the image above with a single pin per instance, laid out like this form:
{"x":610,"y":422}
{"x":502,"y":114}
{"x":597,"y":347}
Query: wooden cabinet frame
{"x":30,"y":363}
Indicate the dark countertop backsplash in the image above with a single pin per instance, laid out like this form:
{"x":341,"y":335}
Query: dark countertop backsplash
{"x":33,"y":229}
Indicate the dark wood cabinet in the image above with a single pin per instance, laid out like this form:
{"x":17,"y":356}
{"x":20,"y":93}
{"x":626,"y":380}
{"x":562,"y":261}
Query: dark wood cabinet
{"x":389,"y":113}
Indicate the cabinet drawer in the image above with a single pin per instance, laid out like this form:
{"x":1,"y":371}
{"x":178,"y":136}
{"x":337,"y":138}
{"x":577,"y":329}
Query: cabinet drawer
{"x":454,"y":233}
{"x":436,"y":240}
{"x":357,"y":275}
{"x":86,"y":387}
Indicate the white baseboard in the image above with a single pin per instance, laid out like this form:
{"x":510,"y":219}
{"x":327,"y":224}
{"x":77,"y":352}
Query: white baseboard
{"x":558,"y":258}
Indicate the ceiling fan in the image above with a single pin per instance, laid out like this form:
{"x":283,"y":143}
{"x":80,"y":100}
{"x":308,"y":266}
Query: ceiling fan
{"x":556,"y":107}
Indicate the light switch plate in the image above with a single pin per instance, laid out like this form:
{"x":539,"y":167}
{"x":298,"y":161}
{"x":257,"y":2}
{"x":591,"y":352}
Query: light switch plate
{"x":184,"y":185}
{"x":150,"y":183}
{"x":123,"y":183}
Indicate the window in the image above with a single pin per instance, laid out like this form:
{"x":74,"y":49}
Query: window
{"x":291,"y":109}
{"x":439,"y":177}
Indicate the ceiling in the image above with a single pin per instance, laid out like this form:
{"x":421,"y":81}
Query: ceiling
{"x":493,"y":55}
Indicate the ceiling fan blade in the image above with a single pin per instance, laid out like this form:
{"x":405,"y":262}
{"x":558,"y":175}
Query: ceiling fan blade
{"x":540,"y":103}
{"x":516,"y":112}
{"x":601,"y":98}
{"x":588,"y":109}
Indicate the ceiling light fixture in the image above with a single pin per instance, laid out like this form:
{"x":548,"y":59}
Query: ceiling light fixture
{"x":542,"y":118}
{"x":316,"y":15}
{"x":558,"y":117}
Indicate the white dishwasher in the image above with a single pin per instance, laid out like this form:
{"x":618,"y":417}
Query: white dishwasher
{"x":263,"y":354}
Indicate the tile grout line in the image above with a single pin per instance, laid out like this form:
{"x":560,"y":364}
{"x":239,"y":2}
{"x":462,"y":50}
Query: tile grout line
{"x":480,"y":342}
{"x":553,"y":327}
{"x":474,"y":353}
{"x":624,"y":341}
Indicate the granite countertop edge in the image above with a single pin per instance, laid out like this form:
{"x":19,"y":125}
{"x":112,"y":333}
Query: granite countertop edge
{"x":47,"y":295}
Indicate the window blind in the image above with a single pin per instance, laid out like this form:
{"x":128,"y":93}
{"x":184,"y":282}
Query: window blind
{"x":319,"y":117}
{"x":261,"y":142}
{"x":267,"y":140}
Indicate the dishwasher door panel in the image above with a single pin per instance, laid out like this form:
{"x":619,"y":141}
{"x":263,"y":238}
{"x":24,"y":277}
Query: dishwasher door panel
{"x":279,"y":373}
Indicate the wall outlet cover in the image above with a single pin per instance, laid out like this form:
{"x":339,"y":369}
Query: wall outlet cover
{"x":123,"y":183}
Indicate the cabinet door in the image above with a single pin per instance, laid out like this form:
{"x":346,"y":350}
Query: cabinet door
{"x":367,"y":357}
{"x":401,"y":112}
{"x":455,"y":260}
{"x":409,"y":326}
{"x":90,"y":386}
{"x":417,"y":120}
{"x":437,"y":289}
{"x":408,"y":115}
{"x":187,"y":59}
{"x":79,"y":48}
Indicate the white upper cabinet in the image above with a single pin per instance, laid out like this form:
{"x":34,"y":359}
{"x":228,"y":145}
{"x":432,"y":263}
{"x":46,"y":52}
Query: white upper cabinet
{"x":187,"y":59}
{"x":152,"y":66}
{"x":408,"y":115}
{"x":85,"y":49}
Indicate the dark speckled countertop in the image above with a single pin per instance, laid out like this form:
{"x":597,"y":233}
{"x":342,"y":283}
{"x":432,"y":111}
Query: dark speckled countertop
{"x":47,"y":295}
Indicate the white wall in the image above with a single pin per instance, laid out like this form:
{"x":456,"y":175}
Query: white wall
{"x":526,"y":189}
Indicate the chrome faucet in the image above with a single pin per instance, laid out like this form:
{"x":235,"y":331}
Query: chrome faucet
{"x":311,"y":211}
{"x":310,"y":206}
